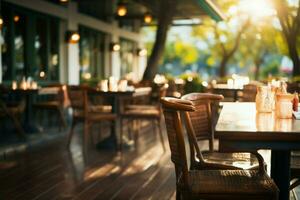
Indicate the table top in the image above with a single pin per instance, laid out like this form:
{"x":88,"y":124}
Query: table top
{"x":240,"y":120}
{"x":22,"y":90}
{"x":225,"y":87}
{"x":135,"y":92}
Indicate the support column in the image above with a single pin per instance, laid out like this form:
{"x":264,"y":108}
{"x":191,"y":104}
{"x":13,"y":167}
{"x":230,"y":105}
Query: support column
{"x":107,"y":59}
{"x":115,"y":59}
{"x":73,"y":49}
{"x":1,"y":42}
{"x":63,"y":58}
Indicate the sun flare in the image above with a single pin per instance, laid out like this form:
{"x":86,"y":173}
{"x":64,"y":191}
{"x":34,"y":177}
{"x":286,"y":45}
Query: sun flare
{"x":257,"y":8}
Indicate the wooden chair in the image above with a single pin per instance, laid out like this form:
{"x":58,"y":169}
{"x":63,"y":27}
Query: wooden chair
{"x":199,"y":125}
{"x":55,"y":101}
{"x":13,"y":112}
{"x":145,"y":112}
{"x":84,"y":112}
{"x":210,"y":184}
{"x":293,"y":87}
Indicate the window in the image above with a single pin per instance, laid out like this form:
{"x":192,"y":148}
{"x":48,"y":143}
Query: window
{"x":40,"y":47}
{"x":91,"y":53}
{"x":5,"y":48}
{"x":53,"y":69}
{"x":127,"y":56}
{"x":30,"y":46}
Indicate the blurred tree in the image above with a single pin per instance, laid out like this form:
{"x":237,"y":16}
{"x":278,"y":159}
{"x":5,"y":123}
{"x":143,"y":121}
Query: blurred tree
{"x":223,"y":38}
{"x":288,"y":13}
{"x":165,"y":16}
{"x":183,"y":52}
{"x":256,"y":44}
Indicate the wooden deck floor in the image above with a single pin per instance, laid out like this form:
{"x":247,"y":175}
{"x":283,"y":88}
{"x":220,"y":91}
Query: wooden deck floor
{"x":53,"y":172}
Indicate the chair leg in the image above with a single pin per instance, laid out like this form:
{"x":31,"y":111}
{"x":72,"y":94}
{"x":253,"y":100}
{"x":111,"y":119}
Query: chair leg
{"x":71,"y":133}
{"x":62,"y":119}
{"x":138,"y":124}
{"x":121,"y":134}
{"x":161,"y":134}
{"x":130,"y":128}
{"x":99,"y":132}
{"x":295,"y":184}
{"x":178,"y":196}
{"x":18,"y":126}
{"x":85,"y":134}
{"x":153,"y":124}
{"x":136,"y":131}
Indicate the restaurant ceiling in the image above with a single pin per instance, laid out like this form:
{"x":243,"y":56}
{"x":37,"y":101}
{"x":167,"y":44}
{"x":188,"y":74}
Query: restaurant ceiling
{"x":186,"y":9}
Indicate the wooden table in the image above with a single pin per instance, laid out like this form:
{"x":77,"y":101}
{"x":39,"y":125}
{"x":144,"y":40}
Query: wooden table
{"x":221,"y":88}
{"x":240,"y":128}
{"x":116,"y":98}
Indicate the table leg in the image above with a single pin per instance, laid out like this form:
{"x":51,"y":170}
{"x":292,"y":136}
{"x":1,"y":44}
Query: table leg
{"x":29,"y":125}
{"x":111,"y":141}
{"x":280,"y":172}
{"x":235,"y":95}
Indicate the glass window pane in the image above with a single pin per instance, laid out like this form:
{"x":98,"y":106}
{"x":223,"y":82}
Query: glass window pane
{"x":19,"y":21}
{"x":53,"y":70}
{"x":91,"y":54}
{"x":6,"y":66}
{"x":126,"y":54}
{"x":40,"y":46}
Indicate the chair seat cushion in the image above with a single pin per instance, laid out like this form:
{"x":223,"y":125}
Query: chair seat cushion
{"x":101,"y":116}
{"x":100,"y":112}
{"x":246,"y":183}
{"x":295,"y":164}
{"x":142,"y":113}
{"x":238,"y":160}
{"x":100,"y":108}
{"x":48,"y":104}
{"x":140,"y":106}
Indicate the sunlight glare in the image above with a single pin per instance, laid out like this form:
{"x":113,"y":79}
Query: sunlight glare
{"x":257,"y":8}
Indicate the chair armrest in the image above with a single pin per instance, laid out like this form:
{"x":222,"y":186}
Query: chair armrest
{"x":261,"y":162}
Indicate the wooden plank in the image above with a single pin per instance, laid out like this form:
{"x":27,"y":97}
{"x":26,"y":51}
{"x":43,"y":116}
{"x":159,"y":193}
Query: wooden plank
{"x":52,"y":172}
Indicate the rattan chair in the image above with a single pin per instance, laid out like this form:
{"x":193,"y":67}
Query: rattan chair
{"x":84,"y":111}
{"x":210,"y":184}
{"x":55,"y":102}
{"x":145,"y":112}
{"x":295,"y":155}
{"x":199,"y":125}
{"x":295,"y":169}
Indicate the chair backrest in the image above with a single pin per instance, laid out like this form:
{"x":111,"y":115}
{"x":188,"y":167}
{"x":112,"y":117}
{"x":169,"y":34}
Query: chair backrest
{"x":293,"y":87}
{"x":163,"y":90}
{"x":158,"y":91}
{"x":249,"y":92}
{"x":53,"y":92}
{"x":171,"y":109}
{"x":201,"y":121}
{"x":78,"y":97}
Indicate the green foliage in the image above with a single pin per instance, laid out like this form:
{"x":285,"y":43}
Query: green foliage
{"x":223,"y":38}
{"x":184,"y":53}
{"x":193,"y":83}
{"x":92,"y":82}
{"x":262,"y":39}
{"x":296,"y":79}
{"x":271,"y":68}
